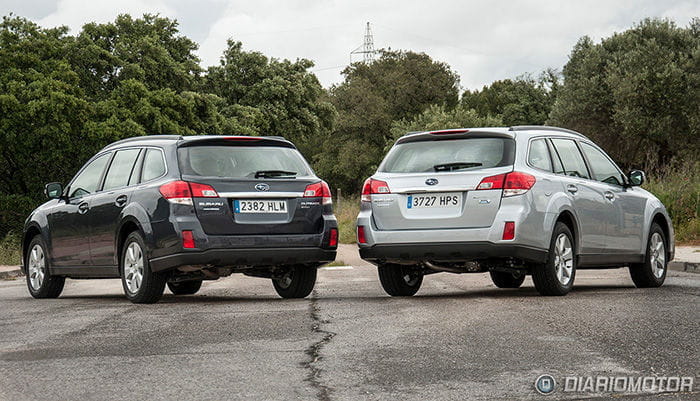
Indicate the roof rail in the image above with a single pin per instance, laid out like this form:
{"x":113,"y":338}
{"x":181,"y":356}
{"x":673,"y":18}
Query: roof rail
{"x":544,"y":128}
{"x":146,"y":138}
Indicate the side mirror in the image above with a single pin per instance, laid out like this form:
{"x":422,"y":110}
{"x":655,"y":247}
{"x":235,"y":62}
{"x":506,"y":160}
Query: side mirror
{"x":53,"y":190}
{"x":636,"y":178}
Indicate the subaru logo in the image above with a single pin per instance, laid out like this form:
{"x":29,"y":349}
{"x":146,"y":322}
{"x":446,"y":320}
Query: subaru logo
{"x":431,"y":181}
{"x":262,"y":187}
{"x":545,"y":384}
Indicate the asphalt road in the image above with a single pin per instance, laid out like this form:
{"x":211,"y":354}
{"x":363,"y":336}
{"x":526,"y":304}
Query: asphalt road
{"x":459,"y":338}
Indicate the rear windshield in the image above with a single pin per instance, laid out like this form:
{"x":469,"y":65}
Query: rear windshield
{"x":242,"y":162}
{"x":449,"y":155}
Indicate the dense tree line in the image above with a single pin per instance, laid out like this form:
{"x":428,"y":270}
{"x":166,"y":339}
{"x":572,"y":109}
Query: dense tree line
{"x":63,"y":97}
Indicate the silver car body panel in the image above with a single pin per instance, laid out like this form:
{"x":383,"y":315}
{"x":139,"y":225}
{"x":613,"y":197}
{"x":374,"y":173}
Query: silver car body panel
{"x":609,"y":219}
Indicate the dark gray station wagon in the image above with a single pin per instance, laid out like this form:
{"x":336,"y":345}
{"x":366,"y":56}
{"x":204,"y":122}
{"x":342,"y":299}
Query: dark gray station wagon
{"x":178,"y":210}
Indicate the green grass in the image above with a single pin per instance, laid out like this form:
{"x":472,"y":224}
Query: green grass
{"x":10,"y":250}
{"x":679,"y":190}
{"x":336,"y":263}
{"x":347,"y":217}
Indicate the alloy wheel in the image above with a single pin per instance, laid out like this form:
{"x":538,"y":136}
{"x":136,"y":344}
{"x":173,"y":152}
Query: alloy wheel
{"x":563,"y":259}
{"x":37,"y":267}
{"x":133,"y":267}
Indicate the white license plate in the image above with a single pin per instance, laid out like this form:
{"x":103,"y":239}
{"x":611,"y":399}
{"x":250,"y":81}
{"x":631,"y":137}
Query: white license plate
{"x":260,"y":206}
{"x":434,"y":201}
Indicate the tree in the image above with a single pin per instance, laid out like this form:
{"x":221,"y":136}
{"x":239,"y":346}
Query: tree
{"x":439,"y":117}
{"x":397,"y":86}
{"x":637,"y":93}
{"x":148,"y":49}
{"x":278,"y":97}
{"x":522,"y":101}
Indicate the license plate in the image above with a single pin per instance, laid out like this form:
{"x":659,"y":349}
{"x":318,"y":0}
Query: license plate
{"x":260,"y":206}
{"x":434,"y":201}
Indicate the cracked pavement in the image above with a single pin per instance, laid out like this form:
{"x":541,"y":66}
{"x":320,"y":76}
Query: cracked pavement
{"x":459,"y":338}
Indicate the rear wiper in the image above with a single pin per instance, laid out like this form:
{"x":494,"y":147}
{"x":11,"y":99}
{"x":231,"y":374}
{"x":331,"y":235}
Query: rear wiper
{"x":455,"y":166}
{"x":274,"y":173}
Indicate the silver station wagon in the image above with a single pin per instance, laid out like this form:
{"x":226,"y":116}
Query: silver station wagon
{"x":517,"y":201}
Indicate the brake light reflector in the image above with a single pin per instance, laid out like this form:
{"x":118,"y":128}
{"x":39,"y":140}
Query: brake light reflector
{"x":513,"y":183}
{"x":319,"y":190}
{"x":517,"y":183}
{"x":509,"y":230}
{"x":450,"y":131}
{"x":333,"y":237}
{"x":187,"y":239}
{"x":361,"y":235}
{"x":202,"y":191}
{"x":493,"y":182}
{"x":177,"y":192}
{"x":372,"y":187}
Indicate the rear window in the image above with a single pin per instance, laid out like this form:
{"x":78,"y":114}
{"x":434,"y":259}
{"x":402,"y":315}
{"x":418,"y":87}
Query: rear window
{"x":449,"y":155}
{"x":242,"y":161}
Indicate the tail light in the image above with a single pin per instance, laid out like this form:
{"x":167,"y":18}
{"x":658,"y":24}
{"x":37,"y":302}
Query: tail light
{"x":187,"y":239}
{"x":182,"y":192}
{"x":508,"y":230}
{"x":361,"y":235}
{"x":333,"y":237}
{"x":372,"y":187}
{"x":514,"y":183}
{"x":319,"y":190}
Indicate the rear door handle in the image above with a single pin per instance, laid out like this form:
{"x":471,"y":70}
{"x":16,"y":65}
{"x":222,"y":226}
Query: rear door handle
{"x":121,"y":200}
{"x":609,"y":195}
{"x":572,"y":188}
{"x":83,"y":208}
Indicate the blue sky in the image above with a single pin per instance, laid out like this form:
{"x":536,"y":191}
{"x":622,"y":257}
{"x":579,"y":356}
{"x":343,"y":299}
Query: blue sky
{"x":481,"y":40}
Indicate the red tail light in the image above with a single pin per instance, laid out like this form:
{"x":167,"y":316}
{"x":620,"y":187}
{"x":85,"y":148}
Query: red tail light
{"x":187,"y":239}
{"x":361,"y":235}
{"x":514,"y":183}
{"x":182,"y":192}
{"x":333,"y":237}
{"x":177,"y":192}
{"x":449,"y":131}
{"x":202,"y":191}
{"x":319,"y":190}
{"x":509,"y":230}
{"x":372,"y":187}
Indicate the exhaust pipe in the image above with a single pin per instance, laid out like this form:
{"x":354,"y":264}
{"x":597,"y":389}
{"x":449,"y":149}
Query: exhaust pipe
{"x":469,"y":267}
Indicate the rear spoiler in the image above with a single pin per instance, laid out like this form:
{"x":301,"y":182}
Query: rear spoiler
{"x":451,"y":134}
{"x":228,"y":140}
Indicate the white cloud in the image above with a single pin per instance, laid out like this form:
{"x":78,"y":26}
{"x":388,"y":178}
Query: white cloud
{"x":76,"y":13}
{"x":482,"y":41}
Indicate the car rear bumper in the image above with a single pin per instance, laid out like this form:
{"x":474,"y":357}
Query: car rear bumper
{"x":450,"y":252}
{"x":245,"y":257}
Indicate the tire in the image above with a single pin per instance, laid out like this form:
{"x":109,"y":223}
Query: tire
{"x":652,"y":273}
{"x":185,"y":287}
{"x":398,"y":280}
{"x":507,"y":280}
{"x":556,"y":277}
{"x":298,"y":282}
{"x":40,"y":282}
{"x":141,"y":285}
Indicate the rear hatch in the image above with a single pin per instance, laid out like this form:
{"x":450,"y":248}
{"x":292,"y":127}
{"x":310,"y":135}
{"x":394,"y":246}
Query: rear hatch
{"x":260,"y":185}
{"x":432,"y":181}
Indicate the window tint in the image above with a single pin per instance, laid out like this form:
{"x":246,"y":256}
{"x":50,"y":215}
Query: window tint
{"x":539,"y":155}
{"x":153,"y":165}
{"x":89,"y":179}
{"x":556,"y":162}
{"x":448,"y":155}
{"x":241,"y":161}
{"x":571,"y":158}
{"x":120,"y":169}
{"x":603,"y":169}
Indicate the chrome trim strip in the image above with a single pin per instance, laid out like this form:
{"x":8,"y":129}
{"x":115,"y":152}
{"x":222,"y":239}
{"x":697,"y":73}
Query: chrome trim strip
{"x":255,"y":195}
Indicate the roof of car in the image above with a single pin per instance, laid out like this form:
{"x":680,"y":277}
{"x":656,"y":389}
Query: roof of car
{"x":505,"y":132}
{"x":190,"y":139}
